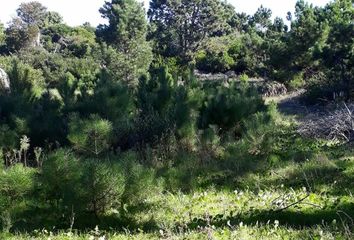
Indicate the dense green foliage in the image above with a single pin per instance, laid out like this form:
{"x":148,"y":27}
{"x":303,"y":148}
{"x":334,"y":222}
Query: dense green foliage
{"x":126,"y":33}
{"x":179,"y":27}
{"x":109,"y":126}
{"x":319,"y":42}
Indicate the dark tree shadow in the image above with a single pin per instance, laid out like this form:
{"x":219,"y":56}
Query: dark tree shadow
{"x":343,"y":213}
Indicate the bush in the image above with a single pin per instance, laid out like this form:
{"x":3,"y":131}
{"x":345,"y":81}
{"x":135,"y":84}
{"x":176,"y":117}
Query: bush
{"x":207,"y":61}
{"x":226,"y":107}
{"x":73,"y":186}
{"x":93,"y":188}
{"x":297,"y":81}
{"x":104,"y":185}
{"x":210,"y":146}
{"x":9,"y":138}
{"x":258,"y":134}
{"x":257,"y":143}
{"x":26,"y":81}
{"x":91,"y":136}
{"x":183,"y":175}
{"x":245,"y":52}
{"x":215,"y":56}
{"x":322,"y":89}
{"x":141,"y":182}
{"x":61,"y":181}
{"x":16,"y":186}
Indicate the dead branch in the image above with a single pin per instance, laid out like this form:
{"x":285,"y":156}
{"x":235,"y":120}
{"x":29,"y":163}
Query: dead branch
{"x":293,"y":204}
{"x":334,"y":124}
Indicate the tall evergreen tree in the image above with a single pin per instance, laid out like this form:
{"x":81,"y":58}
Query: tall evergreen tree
{"x":20,"y":35}
{"x":180,"y":27}
{"x":126,"y":33}
{"x":261,"y":20}
{"x":338,"y":51}
{"x":24,"y":30}
{"x":306,"y":31}
{"x":32,"y":13}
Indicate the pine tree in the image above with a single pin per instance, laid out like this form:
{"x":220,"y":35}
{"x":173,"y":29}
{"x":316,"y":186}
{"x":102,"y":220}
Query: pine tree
{"x":180,"y":27}
{"x":126,"y":33}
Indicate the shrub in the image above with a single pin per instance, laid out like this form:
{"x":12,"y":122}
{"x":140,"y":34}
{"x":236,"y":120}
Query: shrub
{"x":61,"y":181}
{"x":214,"y":62}
{"x":15,"y":183}
{"x":244,"y":78}
{"x":186,"y":111}
{"x":262,"y":134}
{"x":210,"y":146}
{"x":226,"y":107}
{"x":297,"y":81}
{"x":8,"y":137}
{"x":91,"y":136}
{"x":140,"y":182}
{"x":320,"y":88}
{"x":92,"y":188}
{"x":246,"y":51}
{"x":215,"y":56}
{"x":76,"y":186}
{"x":26,"y":81}
{"x":183,"y":175}
{"x":104,"y":185}
{"x":16,"y":186}
{"x":258,"y":134}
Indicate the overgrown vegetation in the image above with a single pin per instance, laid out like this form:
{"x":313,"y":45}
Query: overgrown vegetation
{"x":106,"y":133}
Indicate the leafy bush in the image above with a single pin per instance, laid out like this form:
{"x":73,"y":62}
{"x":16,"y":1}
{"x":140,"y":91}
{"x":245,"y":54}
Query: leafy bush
{"x":244,"y":78}
{"x":183,"y":175}
{"x":232,"y":52}
{"x":26,"y":82}
{"x":210,"y":146}
{"x":9,"y":138}
{"x":107,"y":131}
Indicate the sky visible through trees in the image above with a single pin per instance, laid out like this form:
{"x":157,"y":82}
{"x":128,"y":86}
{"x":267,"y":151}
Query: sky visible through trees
{"x":90,"y":14}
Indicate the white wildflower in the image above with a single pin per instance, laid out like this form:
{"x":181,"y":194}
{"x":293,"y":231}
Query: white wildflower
{"x":276,"y":223}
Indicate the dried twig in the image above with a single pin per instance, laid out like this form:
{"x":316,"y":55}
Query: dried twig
{"x":337,"y":124}
{"x":293,"y":204}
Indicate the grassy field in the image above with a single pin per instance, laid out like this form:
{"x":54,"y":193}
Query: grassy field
{"x":308,"y":200}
